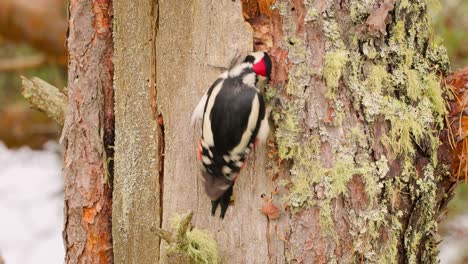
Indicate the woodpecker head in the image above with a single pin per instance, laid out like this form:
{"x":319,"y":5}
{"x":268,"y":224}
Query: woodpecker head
{"x":261,"y":63}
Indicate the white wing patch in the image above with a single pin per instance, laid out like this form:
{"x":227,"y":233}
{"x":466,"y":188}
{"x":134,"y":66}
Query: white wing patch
{"x":253,"y":117}
{"x":207,"y":133}
{"x":206,"y":160}
{"x":198,"y":112}
{"x":264,"y":129}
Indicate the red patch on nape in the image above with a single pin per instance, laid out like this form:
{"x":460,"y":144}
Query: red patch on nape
{"x":260,"y":68}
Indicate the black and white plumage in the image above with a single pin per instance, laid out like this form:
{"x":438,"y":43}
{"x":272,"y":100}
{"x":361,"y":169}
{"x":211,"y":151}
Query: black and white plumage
{"x":233,"y":118}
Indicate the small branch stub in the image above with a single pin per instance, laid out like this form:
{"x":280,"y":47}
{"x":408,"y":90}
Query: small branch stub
{"x":46,"y":98}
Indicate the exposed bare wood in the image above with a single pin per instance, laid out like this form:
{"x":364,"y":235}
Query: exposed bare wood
{"x":189,"y":59}
{"x":139,"y":135}
{"x":46,"y":98}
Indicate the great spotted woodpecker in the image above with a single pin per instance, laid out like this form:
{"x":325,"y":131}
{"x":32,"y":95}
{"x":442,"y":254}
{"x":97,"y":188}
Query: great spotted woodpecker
{"x":234,"y":119}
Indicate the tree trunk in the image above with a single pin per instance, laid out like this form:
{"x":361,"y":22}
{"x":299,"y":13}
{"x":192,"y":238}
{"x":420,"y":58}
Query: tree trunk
{"x":358,"y":118}
{"x":196,"y":40}
{"x":88,"y":133}
{"x":139,"y":138}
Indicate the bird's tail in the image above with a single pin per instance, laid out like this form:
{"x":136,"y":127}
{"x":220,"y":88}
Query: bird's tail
{"x":223,"y":201}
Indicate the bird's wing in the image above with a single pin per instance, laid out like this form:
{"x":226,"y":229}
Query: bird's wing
{"x":235,"y":117}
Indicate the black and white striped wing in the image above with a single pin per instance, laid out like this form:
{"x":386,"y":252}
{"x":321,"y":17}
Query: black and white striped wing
{"x":231,"y":121}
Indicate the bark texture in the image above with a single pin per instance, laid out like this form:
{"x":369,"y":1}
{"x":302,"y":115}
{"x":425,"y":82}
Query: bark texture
{"x":87,"y":132}
{"x":358,"y":110}
{"x":358,"y":115}
{"x":136,"y":203}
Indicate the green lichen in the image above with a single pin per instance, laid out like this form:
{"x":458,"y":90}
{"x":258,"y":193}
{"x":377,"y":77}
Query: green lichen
{"x":405,"y":127}
{"x":333,"y":69}
{"x":434,"y":93}
{"x":306,"y":171}
{"x":413,"y":87}
{"x":202,"y":247}
{"x":311,"y":13}
{"x":389,"y":253}
{"x":398,"y":34}
{"x":379,"y":81}
{"x":198,"y":244}
{"x":394,"y":88}
{"x":340,"y":174}
{"x":332,"y":32}
{"x":289,"y":131}
{"x":382,"y":167}
{"x":359,"y":10}
{"x":326,"y":219}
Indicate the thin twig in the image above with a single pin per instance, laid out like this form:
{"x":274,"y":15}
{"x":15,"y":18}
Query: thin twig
{"x":22,"y":63}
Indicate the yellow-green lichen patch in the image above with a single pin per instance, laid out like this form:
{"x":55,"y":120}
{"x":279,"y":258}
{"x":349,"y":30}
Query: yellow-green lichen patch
{"x":333,"y":35}
{"x":405,"y":127}
{"x":326,"y":219}
{"x":359,"y":10}
{"x":306,"y":171}
{"x":311,"y":12}
{"x":379,"y":80}
{"x":397,"y":34}
{"x":434,"y":92}
{"x":340,"y":174}
{"x":202,"y":247}
{"x":413,"y":87}
{"x":333,"y":69}
{"x":288,"y":131}
{"x":197,"y":244}
{"x":389,"y":252}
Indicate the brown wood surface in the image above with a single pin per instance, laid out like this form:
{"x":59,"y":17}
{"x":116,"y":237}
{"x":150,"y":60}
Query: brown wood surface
{"x":87,"y":233}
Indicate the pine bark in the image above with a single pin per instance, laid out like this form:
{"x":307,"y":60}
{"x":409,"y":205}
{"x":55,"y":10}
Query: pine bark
{"x":88,"y":133}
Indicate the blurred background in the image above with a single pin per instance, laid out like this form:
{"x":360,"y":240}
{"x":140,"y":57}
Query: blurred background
{"x":32,"y":43}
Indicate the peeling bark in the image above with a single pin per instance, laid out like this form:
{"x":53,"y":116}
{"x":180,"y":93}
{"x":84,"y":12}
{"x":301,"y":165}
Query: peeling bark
{"x":86,"y":131}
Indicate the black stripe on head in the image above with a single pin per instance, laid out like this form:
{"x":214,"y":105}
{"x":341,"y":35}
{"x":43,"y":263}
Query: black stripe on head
{"x":268,"y":64}
{"x":249,"y":59}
